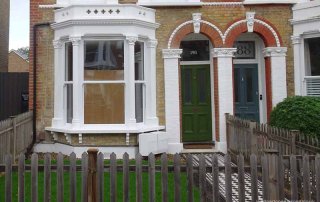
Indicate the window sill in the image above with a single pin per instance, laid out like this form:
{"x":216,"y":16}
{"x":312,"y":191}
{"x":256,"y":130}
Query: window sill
{"x":99,"y":129}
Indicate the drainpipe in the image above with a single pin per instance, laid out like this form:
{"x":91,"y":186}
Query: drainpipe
{"x":34,"y":123}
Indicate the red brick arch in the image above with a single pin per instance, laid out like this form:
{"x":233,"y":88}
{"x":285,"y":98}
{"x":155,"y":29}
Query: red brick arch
{"x":205,"y":29}
{"x":263,"y":31}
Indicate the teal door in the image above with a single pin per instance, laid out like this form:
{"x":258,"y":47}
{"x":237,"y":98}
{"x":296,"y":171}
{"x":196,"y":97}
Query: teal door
{"x":196,"y":103}
{"x":246,"y":91}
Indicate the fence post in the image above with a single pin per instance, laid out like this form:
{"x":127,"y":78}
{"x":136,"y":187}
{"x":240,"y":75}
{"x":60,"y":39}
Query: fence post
{"x":294,"y":134}
{"x":229,"y":145}
{"x":272,"y":174}
{"x":92,"y":173}
{"x":14,"y":129}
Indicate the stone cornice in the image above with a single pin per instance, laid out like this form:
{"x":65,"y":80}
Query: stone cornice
{"x":57,"y":44}
{"x":75,"y":40}
{"x":152,"y":43}
{"x":131,"y":39}
{"x":275,"y":52}
{"x":223,"y":52}
{"x":295,"y":39}
{"x":105,"y":22}
{"x":171,"y":53}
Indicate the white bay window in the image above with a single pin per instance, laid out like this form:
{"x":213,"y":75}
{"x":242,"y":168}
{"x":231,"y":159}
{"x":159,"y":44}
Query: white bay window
{"x":108,"y":78}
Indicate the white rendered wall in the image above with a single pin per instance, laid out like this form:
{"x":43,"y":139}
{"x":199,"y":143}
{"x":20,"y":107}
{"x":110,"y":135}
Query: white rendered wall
{"x":172,"y":105}
{"x":278,"y":73}
{"x":225,"y":91}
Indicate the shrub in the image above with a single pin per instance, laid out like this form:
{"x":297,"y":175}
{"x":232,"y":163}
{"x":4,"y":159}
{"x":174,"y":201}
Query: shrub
{"x":298,"y":113}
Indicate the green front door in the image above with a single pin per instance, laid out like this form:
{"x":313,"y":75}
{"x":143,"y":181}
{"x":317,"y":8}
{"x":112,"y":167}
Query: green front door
{"x":196,"y":103}
{"x":246,"y":91}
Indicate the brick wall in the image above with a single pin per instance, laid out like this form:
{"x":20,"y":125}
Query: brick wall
{"x":4,"y":34}
{"x":44,"y":64}
{"x":17,"y":64}
{"x":169,"y":18}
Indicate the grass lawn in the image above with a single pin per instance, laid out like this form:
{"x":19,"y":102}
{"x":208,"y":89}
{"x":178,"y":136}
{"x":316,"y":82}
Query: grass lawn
{"x":106,"y":186}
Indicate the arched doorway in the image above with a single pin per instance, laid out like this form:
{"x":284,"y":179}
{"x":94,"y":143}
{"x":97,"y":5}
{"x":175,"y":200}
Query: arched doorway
{"x":249,"y":78}
{"x":195,"y":87}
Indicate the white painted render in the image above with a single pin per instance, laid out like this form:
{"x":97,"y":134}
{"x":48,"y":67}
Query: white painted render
{"x":306,"y":24}
{"x":67,"y":150}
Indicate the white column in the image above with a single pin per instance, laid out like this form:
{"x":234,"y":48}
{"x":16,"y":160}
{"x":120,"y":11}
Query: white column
{"x":77,"y":86}
{"x":298,"y":80}
{"x":278,"y":73}
{"x":151,"y":81}
{"x":130,"y":85}
{"x":58,"y":83}
{"x":172,"y":106}
{"x":225,"y":91}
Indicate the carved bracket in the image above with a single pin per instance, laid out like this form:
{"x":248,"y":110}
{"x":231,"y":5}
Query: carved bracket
{"x":250,"y":20}
{"x":196,"y":18}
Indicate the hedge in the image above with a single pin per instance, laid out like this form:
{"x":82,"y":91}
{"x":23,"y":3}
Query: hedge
{"x":298,"y":113}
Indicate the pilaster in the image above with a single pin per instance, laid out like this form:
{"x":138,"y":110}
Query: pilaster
{"x":171,"y":84}
{"x":58,"y":83}
{"x":298,"y":72}
{"x":278,"y":73}
{"x":77,"y":68}
{"x":151,"y":80}
{"x":130,"y":87}
{"x":225,"y":90}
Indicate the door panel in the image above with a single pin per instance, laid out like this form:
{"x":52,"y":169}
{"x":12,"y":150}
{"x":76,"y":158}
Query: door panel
{"x":196,"y":103}
{"x":246,"y":91}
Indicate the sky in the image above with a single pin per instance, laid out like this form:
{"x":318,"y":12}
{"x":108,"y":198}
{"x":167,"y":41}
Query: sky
{"x":19,"y":24}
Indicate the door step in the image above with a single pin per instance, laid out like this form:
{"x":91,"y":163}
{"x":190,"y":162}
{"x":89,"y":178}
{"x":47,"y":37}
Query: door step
{"x":198,"y":145}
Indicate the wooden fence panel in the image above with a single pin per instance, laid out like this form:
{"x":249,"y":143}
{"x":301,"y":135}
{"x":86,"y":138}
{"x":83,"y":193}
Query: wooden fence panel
{"x":254,"y":177}
{"x":126,"y":177}
{"x":241,"y":178}
{"x":73,"y":178}
{"x":151,"y":172}
{"x":100,"y":176}
{"x":113,"y":177}
{"x":228,"y":184}
{"x":202,"y":178}
{"x":215,"y":178}
{"x":21,"y":171}
{"x":47,"y":177}
{"x":60,"y":178}
{"x":190,"y":177}
{"x":84,"y":176}
{"x":8,"y":182}
{"x":34,"y":177}
{"x":164,"y":177}
{"x":177,"y":182}
{"x":15,"y":135}
{"x":138,"y":178}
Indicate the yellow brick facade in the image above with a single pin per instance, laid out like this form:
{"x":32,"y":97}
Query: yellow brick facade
{"x":169,"y":18}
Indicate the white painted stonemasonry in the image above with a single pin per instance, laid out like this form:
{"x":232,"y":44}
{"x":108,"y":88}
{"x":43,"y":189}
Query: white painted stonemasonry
{"x":58,"y":76}
{"x":278,"y":73}
{"x":225,"y":88}
{"x":306,"y":24}
{"x":172,"y":106}
{"x":67,"y":150}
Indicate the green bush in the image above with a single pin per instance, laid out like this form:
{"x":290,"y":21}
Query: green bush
{"x":298,"y":113}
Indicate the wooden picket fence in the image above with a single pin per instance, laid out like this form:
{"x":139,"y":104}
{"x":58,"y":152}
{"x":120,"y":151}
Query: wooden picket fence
{"x":15,"y":135}
{"x":247,"y":137}
{"x":279,"y":177}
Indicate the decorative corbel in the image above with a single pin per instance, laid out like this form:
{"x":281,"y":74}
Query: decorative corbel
{"x":196,"y":17}
{"x":250,"y":20}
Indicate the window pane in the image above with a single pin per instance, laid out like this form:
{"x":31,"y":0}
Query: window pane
{"x":103,"y":60}
{"x":236,"y":84}
{"x":187,"y":91}
{"x":69,"y":62}
{"x":104,"y":104}
{"x":139,"y":102}
{"x":202,"y":85}
{"x":195,"y":50}
{"x":138,"y":64}
{"x":314,"y":55}
{"x":249,"y":84}
{"x":69,"y":100}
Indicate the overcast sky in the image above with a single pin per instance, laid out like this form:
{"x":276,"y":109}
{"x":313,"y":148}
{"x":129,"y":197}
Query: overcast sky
{"x":19,"y":24}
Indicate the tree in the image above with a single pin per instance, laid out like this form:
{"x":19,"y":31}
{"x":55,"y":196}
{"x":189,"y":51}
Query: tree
{"x":24,"y":51}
